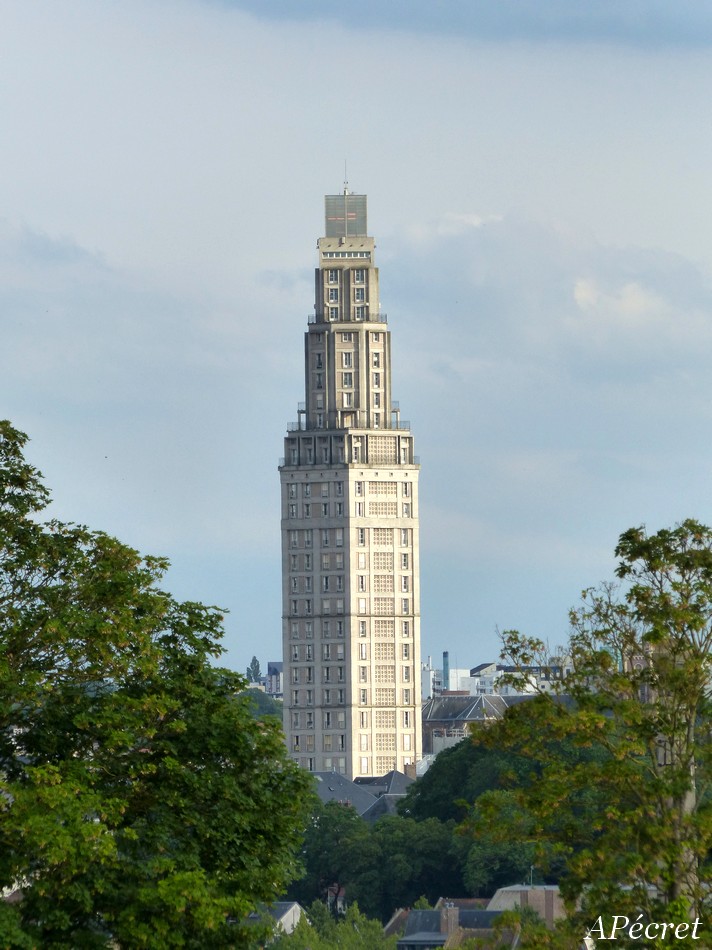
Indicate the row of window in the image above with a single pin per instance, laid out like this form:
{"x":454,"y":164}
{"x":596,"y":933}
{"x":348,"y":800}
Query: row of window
{"x":322,"y":510}
{"x":336,"y":674}
{"x":304,"y":537}
{"x":358,"y":275}
{"x":347,"y":379}
{"x":335,"y":651}
{"x":310,"y":488}
{"x":379,"y":509}
{"x":382,"y":628}
{"x":382,"y":606}
{"x":359,"y":295}
{"x":337,"y":743}
{"x":332,"y":697}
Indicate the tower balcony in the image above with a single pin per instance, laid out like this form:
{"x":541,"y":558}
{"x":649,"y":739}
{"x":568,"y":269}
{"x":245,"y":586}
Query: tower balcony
{"x":371,"y":318}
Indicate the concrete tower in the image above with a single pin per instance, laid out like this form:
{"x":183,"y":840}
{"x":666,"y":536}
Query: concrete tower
{"x":350,"y":553}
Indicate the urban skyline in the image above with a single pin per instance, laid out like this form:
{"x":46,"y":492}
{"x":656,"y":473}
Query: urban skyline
{"x":540,"y":190}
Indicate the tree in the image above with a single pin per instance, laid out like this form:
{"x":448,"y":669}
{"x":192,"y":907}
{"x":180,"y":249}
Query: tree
{"x":263,"y":705}
{"x":141,"y":803}
{"x":633,"y":819}
{"x":354,"y":931}
{"x":254,"y":673}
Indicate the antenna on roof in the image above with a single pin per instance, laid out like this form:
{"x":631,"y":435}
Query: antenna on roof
{"x":346,"y":180}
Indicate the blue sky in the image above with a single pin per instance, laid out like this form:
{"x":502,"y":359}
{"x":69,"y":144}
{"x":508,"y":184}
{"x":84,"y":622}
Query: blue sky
{"x":539,"y":189}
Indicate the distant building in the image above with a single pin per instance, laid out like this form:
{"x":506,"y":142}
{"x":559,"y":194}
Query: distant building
{"x":273,"y":682}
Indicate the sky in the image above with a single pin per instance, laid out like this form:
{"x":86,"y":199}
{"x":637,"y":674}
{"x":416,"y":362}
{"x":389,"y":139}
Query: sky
{"x":538,"y":175}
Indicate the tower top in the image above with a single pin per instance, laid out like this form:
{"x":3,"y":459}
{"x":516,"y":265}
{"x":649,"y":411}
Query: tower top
{"x":345,"y":215}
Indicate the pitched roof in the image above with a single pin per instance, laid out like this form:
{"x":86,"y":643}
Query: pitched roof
{"x":334,"y":787}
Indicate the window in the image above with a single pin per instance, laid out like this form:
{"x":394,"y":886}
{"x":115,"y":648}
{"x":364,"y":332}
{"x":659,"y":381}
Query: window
{"x":360,"y":509}
{"x":324,"y":538}
{"x":339,"y":560}
{"x":376,"y":380}
{"x":295,"y":720}
{"x":326,"y":674}
{"x":307,"y":510}
{"x":347,"y":380}
{"x":339,"y":509}
{"x":341,"y":699}
{"x":327,"y":744}
{"x":363,"y":673}
{"x":404,"y":537}
{"x":325,"y":584}
{"x":340,"y":623}
{"x":359,"y":294}
{"x":362,"y":628}
{"x":377,"y":420}
{"x":359,"y":275}
{"x":339,"y":537}
{"x":308,"y":538}
{"x":295,"y":585}
{"x":405,"y":583}
{"x":326,"y":651}
{"x":292,"y":511}
{"x":363,"y":697}
{"x":332,"y":275}
{"x":324,"y":489}
{"x":406,"y":743}
{"x":376,"y":337}
{"x":319,"y":380}
{"x":295,"y":653}
{"x":362,"y":560}
{"x":340,"y":671}
{"x":406,"y":674}
{"x":362,"y":605}
{"x":407,"y":719}
{"x":406,"y":509}
{"x":339,"y":584}
{"x":347,"y":359}
{"x":294,"y":606}
{"x":360,"y":312}
{"x":339,"y":651}
{"x":309,"y":629}
{"x":347,"y":337}
{"x":363,"y":743}
{"x":295,"y":630}
{"x":307,"y":562}
{"x":362,"y":582}
{"x":310,"y":720}
{"x":327,"y":697}
{"x":358,"y":488}
{"x":376,"y":360}
{"x":295,"y":697}
{"x":333,"y":313}
{"x":307,"y":607}
{"x":293,"y":490}
{"x":333,"y":294}
{"x":325,"y":628}
{"x":310,"y":697}
{"x":339,"y":489}
{"x":319,"y":361}
{"x":376,"y":400}
{"x":348,"y":399}
{"x":406,"y":651}
{"x":405,"y":606}
{"x":363,"y":651}
{"x":406,"y":489}
{"x":294,"y":562}
{"x":406,"y":697}
{"x":404,"y":561}
{"x":325,"y":562}
{"x":361,"y":536}
{"x":308,"y":585}
{"x":325,"y":509}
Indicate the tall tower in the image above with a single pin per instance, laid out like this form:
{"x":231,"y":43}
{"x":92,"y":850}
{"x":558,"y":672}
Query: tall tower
{"x":350,"y":551}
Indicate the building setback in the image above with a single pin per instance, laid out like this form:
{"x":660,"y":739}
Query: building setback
{"x":350,"y":550}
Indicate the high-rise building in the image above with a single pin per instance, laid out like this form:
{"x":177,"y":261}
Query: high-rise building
{"x":350,"y":550}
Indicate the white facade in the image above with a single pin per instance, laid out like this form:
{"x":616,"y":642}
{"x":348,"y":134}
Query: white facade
{"x":350,"y":545}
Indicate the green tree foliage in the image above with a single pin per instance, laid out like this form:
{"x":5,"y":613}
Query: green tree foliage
{"x":633,"y":818}
{"x":141,"y":803}
{"x":354,"y":931}
{"x":383,"y":866}
{"x":263,"y":705}
{"x":254,"y":673}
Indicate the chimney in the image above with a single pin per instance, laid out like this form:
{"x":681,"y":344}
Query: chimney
{"x":449,"y":918}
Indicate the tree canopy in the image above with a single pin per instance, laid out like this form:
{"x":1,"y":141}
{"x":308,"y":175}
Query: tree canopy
{"x":632,"y":818}
{"x":141,"y":804}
